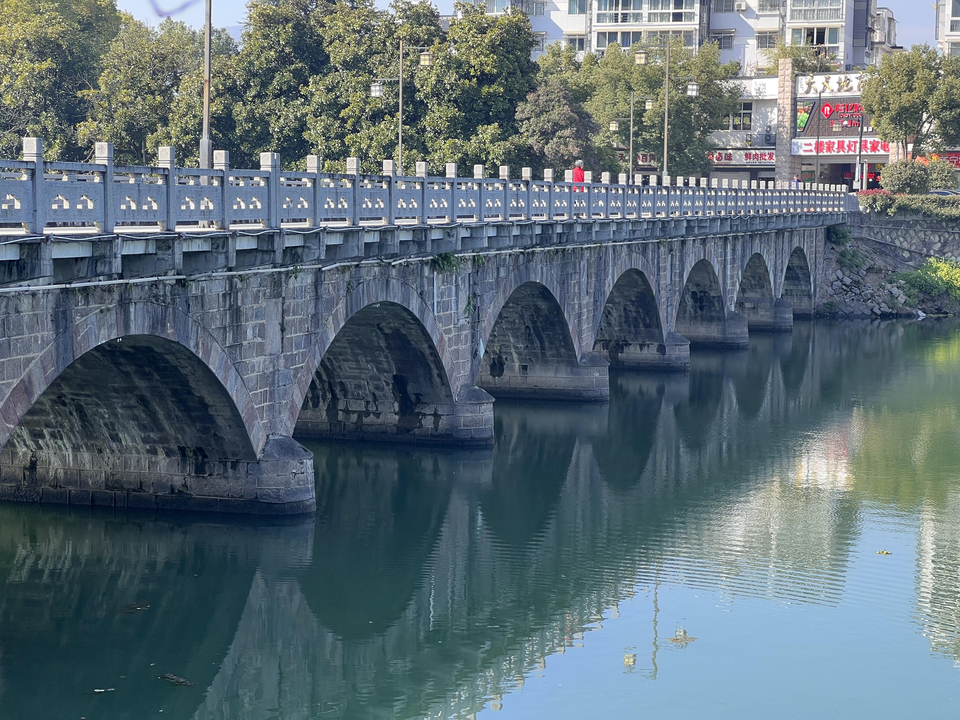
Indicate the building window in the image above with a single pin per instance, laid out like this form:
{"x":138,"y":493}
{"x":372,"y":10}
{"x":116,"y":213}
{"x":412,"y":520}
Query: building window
{"x":955,"y":26}
{"x":826,"y":38}
{"x":624,"y":39}
{"x":767,"y":40}
{"x":770,"y":6}
{"x":955,"y":9}
{"x":816,"y":10}
{"x":577,"y":7}
{"x":577,"y":42}
{"x":720,"y":6}
{"x":619,"y":11}
{"x":744,"y":119}
{"x":672,"y":11}
{"x":541,"y":42}
{"x":953,"y":49}
{"x":724,"y":40}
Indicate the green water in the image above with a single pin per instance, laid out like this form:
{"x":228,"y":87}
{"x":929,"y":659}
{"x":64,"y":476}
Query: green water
{"x":705,"y":546}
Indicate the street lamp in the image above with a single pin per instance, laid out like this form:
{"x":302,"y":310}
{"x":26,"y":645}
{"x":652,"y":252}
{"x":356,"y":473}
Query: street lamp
{"x":693,"y":90}
{"x":615,"y":127}
{"x":206,"y":146}
{"x":376,"y":91}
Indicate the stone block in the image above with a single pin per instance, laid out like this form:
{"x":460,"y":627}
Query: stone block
{"x":103,"y":498}
{"x":59,"y":496}
{"x":80,"y":497}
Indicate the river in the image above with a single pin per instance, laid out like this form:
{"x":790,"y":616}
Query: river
{"x":774,"y":534}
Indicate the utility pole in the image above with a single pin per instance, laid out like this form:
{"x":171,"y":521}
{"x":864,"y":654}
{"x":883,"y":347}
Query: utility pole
{"x":206,"y":146}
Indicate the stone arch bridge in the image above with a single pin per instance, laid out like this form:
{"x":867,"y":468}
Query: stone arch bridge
{"x":172,"y":368}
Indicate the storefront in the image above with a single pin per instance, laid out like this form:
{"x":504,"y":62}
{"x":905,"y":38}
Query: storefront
{"x":833,"y":134}
{"x":744,"y":164}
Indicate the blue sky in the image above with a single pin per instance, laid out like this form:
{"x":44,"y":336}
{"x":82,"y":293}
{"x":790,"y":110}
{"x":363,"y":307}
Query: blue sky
{"x":915,"y":20}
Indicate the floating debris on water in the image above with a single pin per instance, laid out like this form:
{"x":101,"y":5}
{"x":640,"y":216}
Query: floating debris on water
{"x":174,"y":679}
{"x":680,"y":637}
{"x":883,"y":552}
{"x":134,"y":607}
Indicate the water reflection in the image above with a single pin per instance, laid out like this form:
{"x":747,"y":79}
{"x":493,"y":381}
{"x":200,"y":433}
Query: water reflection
{"x":433,"y":583}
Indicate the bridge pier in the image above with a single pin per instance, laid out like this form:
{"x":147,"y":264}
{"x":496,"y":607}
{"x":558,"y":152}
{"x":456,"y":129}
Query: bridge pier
{"x":587,"y":380}
{"x":672,"y":353}
{"x":768,"y":315}
{"x":732,"y":331}
{"x":280,"y":482}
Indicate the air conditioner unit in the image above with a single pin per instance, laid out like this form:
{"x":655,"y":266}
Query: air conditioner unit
{"x":740,"y":6}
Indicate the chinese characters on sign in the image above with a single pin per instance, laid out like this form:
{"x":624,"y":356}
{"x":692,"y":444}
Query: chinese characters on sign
{"x":743,"y":157}
{"x":836,"y":84}
{"x":645,"y":159}
{"x":840,"y":147}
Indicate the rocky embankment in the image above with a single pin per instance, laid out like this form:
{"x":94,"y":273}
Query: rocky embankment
{"x":859,"y":280}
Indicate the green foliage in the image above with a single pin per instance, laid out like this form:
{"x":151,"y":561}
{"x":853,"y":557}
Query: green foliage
{"x":557,"y":128}
{"x":142,"y":72}
{"x":906,"y":176}
{"x":943,"y":176}
{"x":806,"y":59}
{"x":914,"y":97}
{"x":50,"y":50}
{"x":838,"y":235}
{"x":446,"y":262}
{"x":851,"y":259}
{"x":937,"y":277}
{"x":932,"y":206}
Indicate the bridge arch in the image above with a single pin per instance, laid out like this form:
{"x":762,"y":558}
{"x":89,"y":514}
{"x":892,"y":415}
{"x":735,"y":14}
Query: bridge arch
{"x":166,"y":329}
{"x":797,"y":283}
{"x":702,"y":315}
{"x":756,"y":299}
{"x":380,"y":368}
{"x":629,"y":331}
{"x":531,"y":345}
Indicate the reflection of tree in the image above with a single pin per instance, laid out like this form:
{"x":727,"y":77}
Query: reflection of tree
{"x":69,"y":581}
{"x":379,"y":515}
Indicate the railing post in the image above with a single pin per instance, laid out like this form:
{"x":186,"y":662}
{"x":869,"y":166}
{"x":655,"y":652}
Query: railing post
{"x":33,"y":153}
{"x":478,"y":173}
{"x":505,"y":182}
{"x":526,"y":174}
{"x":548,"y":179}
{"x":167,"y":158}
{"x":270,"y":162}
{"x":221,"y":163}
{"x":314,"y":163}
{"x":388,"y":183}
{"x":423,"y":171}
{"x":451,"y":173}
{"x":103,"y":155}
{"x":353,"y":169}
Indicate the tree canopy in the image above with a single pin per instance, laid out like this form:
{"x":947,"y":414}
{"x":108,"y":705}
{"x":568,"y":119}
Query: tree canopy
{"x":298,"y":82}
{"x":914,"y":97}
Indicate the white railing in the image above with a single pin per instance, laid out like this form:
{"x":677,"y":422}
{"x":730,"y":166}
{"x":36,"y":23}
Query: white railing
{"x":53,"y":198}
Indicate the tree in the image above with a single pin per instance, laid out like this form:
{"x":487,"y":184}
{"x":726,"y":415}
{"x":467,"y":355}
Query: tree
{"x":557,"y":128}
{"x":943,"y":175}
{"x":50,"y":50}
{"x":140,"y":78}
{"x":806,"y":59}
{"x":914,"y":97}
{"x":691,"y":119}
{"x":906,"y":176}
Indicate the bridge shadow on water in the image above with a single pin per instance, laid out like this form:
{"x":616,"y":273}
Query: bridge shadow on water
{"x":431,"y":581}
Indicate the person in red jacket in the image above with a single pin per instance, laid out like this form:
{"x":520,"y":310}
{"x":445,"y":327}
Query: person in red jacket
{"x":578,"y":174}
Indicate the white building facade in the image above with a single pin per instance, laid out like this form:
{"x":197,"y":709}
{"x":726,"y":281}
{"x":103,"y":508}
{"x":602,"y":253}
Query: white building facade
{"x":948,"y":26}
{"x":857,"y":32}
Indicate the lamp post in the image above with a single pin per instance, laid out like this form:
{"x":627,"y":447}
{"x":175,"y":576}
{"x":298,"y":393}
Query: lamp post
{"x":376,"y":91}
{"x":816,"y":149}
{"x":206,"y":146}
{"x":693,"y":90}
{"x":615,"y":127}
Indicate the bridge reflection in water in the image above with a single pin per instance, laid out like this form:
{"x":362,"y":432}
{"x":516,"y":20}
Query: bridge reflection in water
{"x":432,"y":583}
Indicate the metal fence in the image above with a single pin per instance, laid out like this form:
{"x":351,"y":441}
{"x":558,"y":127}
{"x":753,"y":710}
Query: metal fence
{"x":56,"y":198}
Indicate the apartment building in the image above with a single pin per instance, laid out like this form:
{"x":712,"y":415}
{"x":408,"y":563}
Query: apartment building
{"x":948,"y":26}
{"x":857,"y":32}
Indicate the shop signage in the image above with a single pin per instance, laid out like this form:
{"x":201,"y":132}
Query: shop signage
{"x":826,"y":110}
{"x":743,"y":157}
{"x":826,"y":85}
{"x":646,"y":159}
{"x":839,"y":147}
{"x":952,"y":157}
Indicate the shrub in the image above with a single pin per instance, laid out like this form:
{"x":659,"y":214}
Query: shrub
{"x":936,"y":277}
{"x":838,"y":235}
{"x":878,"y":201}
{"x":906,"y":176}
{"x":943,"y":176}
{"x":850,"y":259}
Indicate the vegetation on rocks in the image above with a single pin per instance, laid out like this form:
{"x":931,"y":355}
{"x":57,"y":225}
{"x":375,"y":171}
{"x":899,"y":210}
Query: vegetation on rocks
{"x":932,"y":206}
{"x":938,"y":277}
